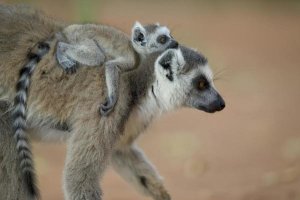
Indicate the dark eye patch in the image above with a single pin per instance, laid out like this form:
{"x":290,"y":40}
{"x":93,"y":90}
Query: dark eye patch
{"x":201,"y":83}
{"x":162,"y":39}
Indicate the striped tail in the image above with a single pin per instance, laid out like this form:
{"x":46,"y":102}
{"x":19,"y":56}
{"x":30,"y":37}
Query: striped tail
{"x":19,"y":117}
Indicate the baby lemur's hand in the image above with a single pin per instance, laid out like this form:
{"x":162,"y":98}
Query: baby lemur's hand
{"x":108,"y":106}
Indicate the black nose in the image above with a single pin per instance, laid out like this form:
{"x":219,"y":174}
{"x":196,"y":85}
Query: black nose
{"x":173,"y":45}
{"x":217,"y":105}
{"x":220,"y":103}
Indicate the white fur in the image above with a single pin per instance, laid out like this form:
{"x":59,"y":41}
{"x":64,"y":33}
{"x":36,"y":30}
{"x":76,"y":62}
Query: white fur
{"x":207,"y":72}
{"x":152,"y":38}
{"x":140,"y":118}
{"x":137,"y":25}
{"x":170,"y":93}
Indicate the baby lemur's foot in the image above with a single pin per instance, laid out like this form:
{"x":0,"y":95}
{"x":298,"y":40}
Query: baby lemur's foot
{"x":71,"y":70}
{"x":108,"y":105}
{"x":67,"y":63}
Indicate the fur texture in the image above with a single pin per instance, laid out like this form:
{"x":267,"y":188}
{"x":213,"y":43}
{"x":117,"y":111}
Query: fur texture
{"x":19,"y":117}
{"x":94,"y":45}
{"x":12,"y":184}
{"x":57,"y":98}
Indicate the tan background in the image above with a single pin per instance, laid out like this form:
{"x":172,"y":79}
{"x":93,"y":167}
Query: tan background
{"x":249,"y":151}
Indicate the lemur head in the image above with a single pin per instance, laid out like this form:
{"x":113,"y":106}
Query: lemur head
{"x":151,"y":38}
{"x":183,"y":78}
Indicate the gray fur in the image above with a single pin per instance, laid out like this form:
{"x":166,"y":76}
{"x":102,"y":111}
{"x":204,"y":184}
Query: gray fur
{"x":93,"y":143}
{"x":12,"y":184}
{"x":93,"y":45}
{"x":151,"y":28}
{"x":132,"y":164}
{"x":145,"y":93}
{"x":91,"y":50}
{"x":145,"y":38}
{"x":87,"y":53}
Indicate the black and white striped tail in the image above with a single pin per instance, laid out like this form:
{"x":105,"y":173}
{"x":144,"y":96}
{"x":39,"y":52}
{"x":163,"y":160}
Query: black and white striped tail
{"x":19,"y":117}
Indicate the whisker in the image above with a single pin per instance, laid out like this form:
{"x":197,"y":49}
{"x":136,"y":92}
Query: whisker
{"x":221,"y":74}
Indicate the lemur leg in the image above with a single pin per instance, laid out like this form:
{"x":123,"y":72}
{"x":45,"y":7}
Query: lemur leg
{"x":87,"y":52}
{"x":132,"y":164}
{"x":113,"y":69}
{"x":88,"y":153}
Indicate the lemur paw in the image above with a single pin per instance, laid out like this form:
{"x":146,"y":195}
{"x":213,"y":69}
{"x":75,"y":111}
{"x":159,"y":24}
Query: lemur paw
{"x":164,"y":195}
{"x":108,"y":106}
{"x":155,"y":189}
{"x":68,"y":64}
{"x":71,"y":70}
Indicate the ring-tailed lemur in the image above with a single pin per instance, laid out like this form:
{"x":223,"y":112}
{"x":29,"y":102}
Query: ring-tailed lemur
{"x":88,"y":37}
{"x":162,"y":82}
{"x":93,"y":45}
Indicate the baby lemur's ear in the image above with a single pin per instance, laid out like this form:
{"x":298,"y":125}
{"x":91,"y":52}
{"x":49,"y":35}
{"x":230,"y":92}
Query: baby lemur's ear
{"x":137,"y":30}
{"x":171,"y":62}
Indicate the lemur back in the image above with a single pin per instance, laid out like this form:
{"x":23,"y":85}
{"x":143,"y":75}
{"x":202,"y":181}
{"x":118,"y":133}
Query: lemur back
{"x":21,"y":29}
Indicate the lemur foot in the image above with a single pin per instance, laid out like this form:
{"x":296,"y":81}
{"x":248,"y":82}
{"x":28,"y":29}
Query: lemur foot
{"x":108,"y":106}
{"x":67,"y":63}
{"x":155,"y":189}
{"x":163,"y":196}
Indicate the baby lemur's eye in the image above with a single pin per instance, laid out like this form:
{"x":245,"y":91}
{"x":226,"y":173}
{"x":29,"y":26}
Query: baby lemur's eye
{"x":162,"y":39}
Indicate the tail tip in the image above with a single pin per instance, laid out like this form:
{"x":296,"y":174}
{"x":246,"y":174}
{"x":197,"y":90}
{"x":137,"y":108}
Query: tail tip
{"x":30,"y":182}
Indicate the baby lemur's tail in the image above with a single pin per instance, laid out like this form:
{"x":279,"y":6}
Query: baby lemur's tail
{"x":19,"y":117}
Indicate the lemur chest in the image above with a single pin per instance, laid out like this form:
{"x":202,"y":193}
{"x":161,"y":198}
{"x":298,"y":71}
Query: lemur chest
{"x":133,"y":128}
{"x":139,"y":120}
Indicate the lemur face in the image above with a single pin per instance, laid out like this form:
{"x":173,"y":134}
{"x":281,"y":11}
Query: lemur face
{"x":185,"y":79}
{"x":151,"y":38}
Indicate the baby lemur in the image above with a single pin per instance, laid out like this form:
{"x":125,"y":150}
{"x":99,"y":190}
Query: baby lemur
{"x":94,"y":45}
{"x":162,"y":82}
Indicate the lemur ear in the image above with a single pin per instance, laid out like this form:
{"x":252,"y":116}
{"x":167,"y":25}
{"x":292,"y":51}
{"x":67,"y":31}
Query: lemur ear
{"x":137,"y":27}
{"x":171,"y":62}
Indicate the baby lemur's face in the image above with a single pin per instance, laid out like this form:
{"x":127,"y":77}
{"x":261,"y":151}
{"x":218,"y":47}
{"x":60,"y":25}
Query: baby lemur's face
{"x":151,"y":38}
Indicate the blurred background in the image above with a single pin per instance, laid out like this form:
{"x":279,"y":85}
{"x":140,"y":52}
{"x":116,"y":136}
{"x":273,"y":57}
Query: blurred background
{"x":249,"y":151}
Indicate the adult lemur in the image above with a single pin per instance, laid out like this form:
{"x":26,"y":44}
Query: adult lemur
{"x":162,"y":82}
{"x":87,"y":44}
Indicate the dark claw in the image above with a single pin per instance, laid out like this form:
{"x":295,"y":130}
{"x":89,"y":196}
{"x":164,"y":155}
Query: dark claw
{"x":107,"y":106}
{"x":71,"y":70}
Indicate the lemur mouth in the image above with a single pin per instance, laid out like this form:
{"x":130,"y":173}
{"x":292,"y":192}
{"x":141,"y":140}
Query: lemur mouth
{"x":208,"y":110}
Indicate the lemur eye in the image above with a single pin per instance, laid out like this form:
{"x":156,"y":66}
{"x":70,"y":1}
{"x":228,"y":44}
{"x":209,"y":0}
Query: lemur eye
{"x":140,"y":37}
{"x":202,"y":85}
{"x":162,"y":39}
